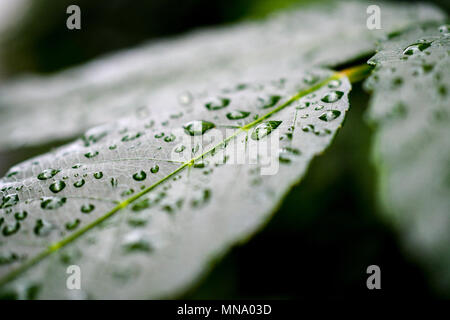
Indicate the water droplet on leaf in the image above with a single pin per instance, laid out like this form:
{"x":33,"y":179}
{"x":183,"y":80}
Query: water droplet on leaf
{"x":22,"y":215}
{"x":50,"y":203}
{"x":217,"y":103}
{"x":198,"y":127}
{"x":57,"y":186}
{"x":303,"y":105}
{"x":267,"y":102}
{"x":87,"y":208}
{"x":332,"y":96}
{"x":42,"y":228}
{"x":333,"y":84}
{"x":98,"y":175}
{"x":237,"y":114}
{"x":11,"y":229}
{"x":154,"y":169}
{"x":139,"y":176}
{"x":91,"y":154}
{"x":264,"y":129}
{"x":47,"y":174}
{"x":180,"y":149}
{"x":330,"y":115}
{"x":170,"y":138}
{"x":79,"y":183}
{"x":416,"y":48}
{"x":73,"y":225}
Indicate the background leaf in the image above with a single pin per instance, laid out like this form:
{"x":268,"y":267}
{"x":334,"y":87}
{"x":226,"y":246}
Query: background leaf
{"x":42,"y":109}
{"x":410,"y":107}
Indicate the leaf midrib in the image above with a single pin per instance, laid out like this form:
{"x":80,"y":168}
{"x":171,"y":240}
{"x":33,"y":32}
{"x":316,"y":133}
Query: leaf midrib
{"x":354,"y":74}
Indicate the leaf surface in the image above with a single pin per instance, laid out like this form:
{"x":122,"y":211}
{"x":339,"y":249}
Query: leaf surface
{"x":144,"y":205}
{"x":410,"y":106}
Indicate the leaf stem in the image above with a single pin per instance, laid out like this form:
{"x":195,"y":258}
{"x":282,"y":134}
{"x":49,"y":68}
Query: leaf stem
{"x":357,"y":73}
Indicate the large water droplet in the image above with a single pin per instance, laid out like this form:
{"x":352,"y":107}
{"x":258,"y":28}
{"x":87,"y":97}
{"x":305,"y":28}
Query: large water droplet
{"x":57,"y":186}
{"x":264,"y":129}
{"x":50,"y":203}
{"x":198,"y":127}
{"x":332,"y":96}
{"x":139,"y":176}
{"x":330,"y":115}
{"x":416,"y":48}
{"x":47,"y":174}
{"x":237,"y":114}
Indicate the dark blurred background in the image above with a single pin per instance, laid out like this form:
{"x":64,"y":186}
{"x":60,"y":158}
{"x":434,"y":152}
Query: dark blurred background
{"x":39,"y":43}
{"x":329,"y":228}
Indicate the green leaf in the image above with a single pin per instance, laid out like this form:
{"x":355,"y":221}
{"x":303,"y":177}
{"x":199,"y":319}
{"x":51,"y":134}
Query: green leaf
{"x":43,"y":109}
{"x":143,"y":205}
{"x":410,"y":106}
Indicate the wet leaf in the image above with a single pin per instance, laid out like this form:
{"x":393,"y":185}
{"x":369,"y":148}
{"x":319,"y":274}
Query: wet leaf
{"x":411,"y":107}
{"x":174,"y":205}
